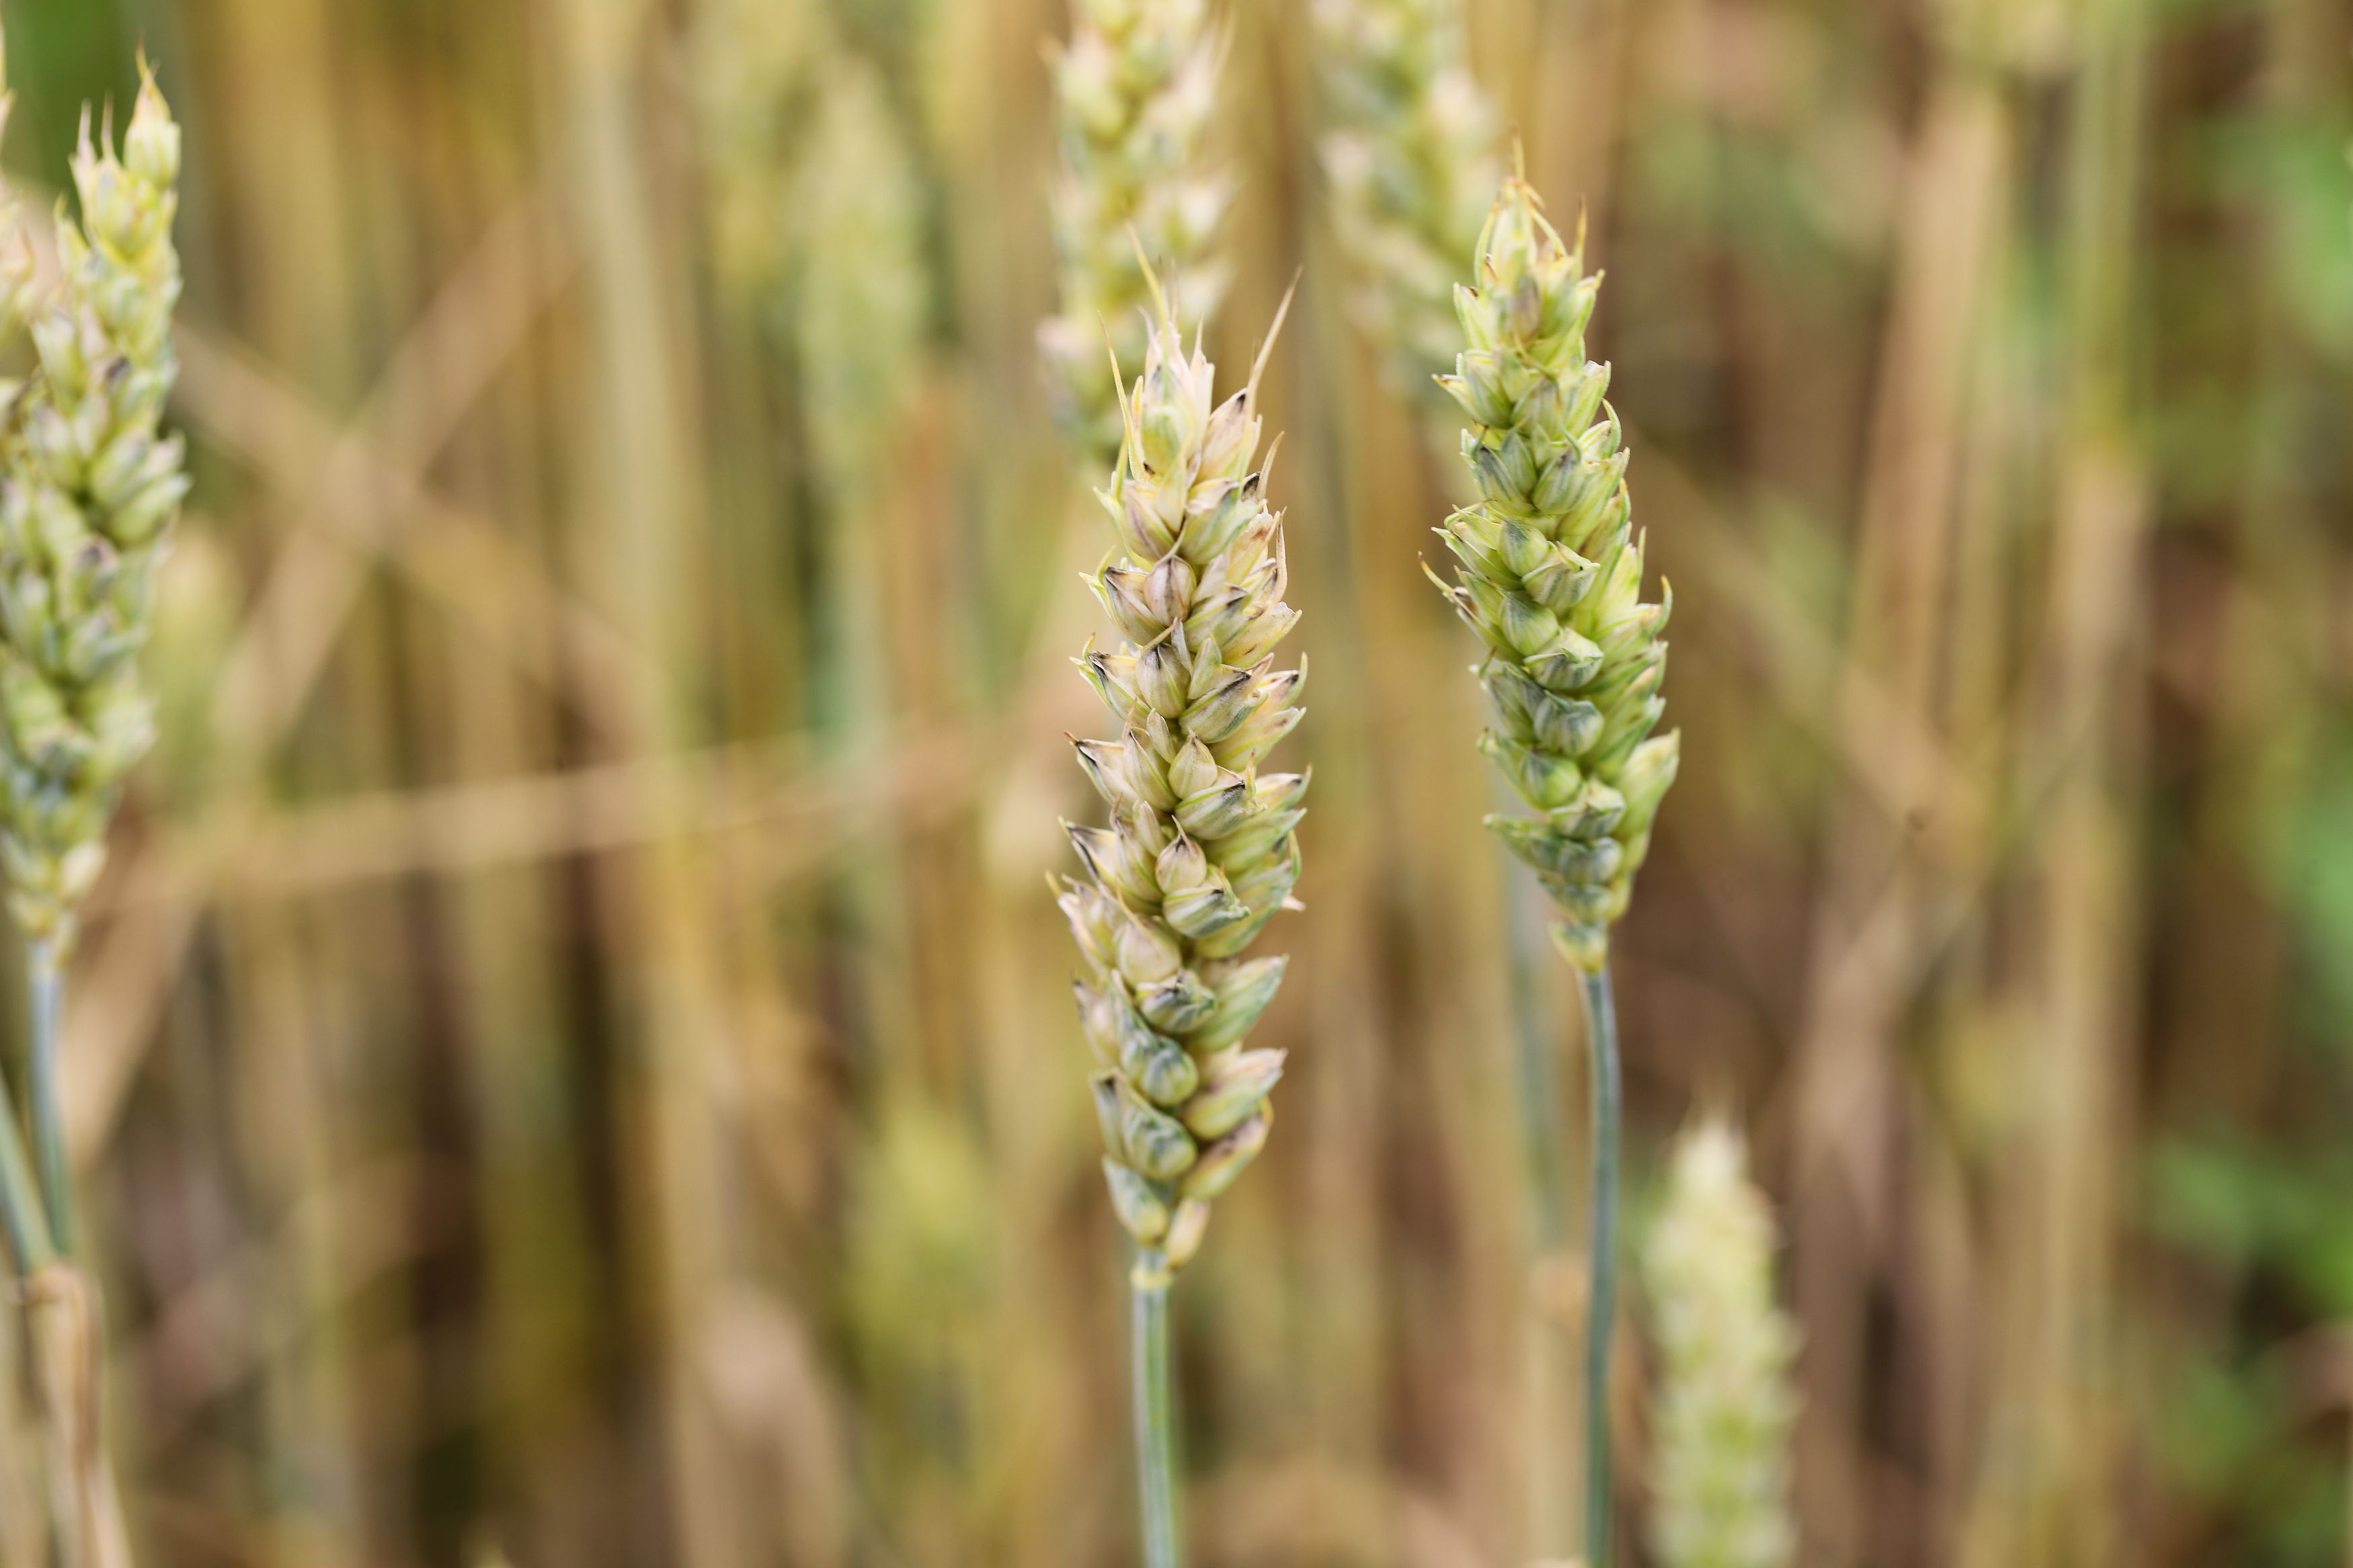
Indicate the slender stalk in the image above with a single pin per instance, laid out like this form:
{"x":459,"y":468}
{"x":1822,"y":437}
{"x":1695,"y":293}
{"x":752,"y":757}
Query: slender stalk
{"x":1539,"y":1080}
{"x":20,"y":1199}
{"x":1538,"y":1071}
{"x":1155,"y":1426}
{"x":45,"y":979}
{"x":1602,"y":1017}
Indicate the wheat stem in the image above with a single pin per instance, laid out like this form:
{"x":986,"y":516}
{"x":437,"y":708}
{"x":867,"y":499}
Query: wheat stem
{"x":1539,"y":1080}
{"x":20,"y":1199}
{"x":1156,"y":1426}
{"x":1601,"y":1021}
{"x":45,"y":980}
{"x":1537,"y":1067}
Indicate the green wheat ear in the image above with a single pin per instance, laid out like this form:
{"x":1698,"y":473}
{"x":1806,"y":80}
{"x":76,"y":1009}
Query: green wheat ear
{"x":1725,"y":1405}
{"x":1550,"y":574}
{"x":863,"y":297}
{"x":89,"y":492}
{"x":1200,"y":853}
{"x":1408,"y":156}
{"x":1135,"y":91}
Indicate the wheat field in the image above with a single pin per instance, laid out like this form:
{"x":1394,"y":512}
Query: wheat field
{"x":569,"y":1062}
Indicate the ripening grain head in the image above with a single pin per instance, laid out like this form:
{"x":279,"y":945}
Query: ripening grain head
{"x":1724,"y":1407}
{"x":1549,"y":575}
{"x":89,"y":488}
{"x":1199,"y":852}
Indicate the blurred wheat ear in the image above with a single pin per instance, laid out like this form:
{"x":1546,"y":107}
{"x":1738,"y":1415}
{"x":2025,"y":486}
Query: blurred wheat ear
{"x":89,"y":489}
{"x":1135,"y":97}
{"x":1724,"y":1408}
{"x":1408,"y":151}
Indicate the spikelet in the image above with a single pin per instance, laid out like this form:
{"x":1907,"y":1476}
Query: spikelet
{"x":1725,"y":1405}
{"x":1134,"y":92}
{"x":1550,"y":576}
{"x":864,"y":296}
{"x":88,"y":495}
{"x":1409,"y":158}
{"x":1200,"y":850}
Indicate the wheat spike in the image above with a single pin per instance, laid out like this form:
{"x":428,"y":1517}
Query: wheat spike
{"x":754,"y":64}
{"x":1135,"y":89}
{"x":1550,"y":576}
{"x":90,"y":491}
{"x":863,"y":295}
{"x":1200,"y":850}
{"x":1725,"y":1405}
{"x":1409,"y":154}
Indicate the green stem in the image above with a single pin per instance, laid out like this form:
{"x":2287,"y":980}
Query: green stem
{"x":47,"y":981}
{"x":1537,"y":1065}
{"x":1601,"y":1015}
{"x":1539,"y":1081}
{"x":20,"y":1198}
{"x":1155,"y":1426}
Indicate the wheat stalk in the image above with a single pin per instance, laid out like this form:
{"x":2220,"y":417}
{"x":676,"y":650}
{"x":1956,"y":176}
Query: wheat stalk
{"x":1550,"y":576}
{"x":1135,"y":89}
{"x":1724,"y":1407}
{"x":1200,"y":850}
{"x":1408,"y":155}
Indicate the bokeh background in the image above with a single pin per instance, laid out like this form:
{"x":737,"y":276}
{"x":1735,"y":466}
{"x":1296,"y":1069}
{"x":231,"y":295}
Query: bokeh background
{"x":572,"y":1053}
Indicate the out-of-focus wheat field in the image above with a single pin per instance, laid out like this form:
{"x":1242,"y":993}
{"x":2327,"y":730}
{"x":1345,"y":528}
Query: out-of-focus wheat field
{"x":573,"y":1055}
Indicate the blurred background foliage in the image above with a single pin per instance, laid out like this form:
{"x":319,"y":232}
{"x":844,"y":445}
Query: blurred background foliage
{"x":574,"y":1050}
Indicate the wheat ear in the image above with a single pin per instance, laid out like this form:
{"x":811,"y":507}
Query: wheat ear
{"x":1408,"y":156}
{"x":863,"y":299}
{"x":756,"y":66}
{"x":1549,"y":575}
{"x":1725,"y":1405}
{"x":1200,"y":850}
{"x":1136,"y":90}
{"x":89,"y":489}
